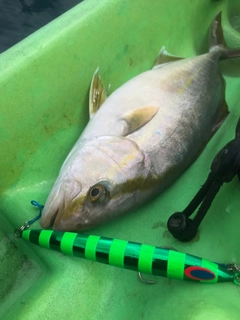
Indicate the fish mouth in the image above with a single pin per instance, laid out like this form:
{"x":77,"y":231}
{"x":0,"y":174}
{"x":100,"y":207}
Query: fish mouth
{"x":55,"y":213}
{"x":53,"y":219}
{"x":52,"y":214}
{"x":61,"y":220}
{"x":47,"y":221}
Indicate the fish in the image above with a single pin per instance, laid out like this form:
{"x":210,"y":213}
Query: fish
{"x":141,"y":137}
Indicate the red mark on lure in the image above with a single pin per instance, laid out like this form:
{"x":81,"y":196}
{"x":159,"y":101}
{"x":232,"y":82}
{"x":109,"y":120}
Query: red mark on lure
{"x":199,"y":273}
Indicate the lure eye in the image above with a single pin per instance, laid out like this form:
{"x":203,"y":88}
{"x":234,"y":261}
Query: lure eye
{"x":97,"y":192}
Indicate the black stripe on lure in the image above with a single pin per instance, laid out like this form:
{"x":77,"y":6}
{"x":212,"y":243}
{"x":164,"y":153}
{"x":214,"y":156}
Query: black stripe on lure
{"x":225,"y":166}
{"x":134,"y":256}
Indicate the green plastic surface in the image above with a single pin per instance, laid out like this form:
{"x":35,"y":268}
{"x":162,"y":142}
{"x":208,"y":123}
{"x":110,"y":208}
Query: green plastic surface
{"x":44,"y":83}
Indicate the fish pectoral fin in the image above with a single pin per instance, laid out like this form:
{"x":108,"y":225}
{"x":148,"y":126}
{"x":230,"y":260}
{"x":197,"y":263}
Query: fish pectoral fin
{"x":97,"y":94}
{"x":164,"y":57}
{"x":136,"y":119}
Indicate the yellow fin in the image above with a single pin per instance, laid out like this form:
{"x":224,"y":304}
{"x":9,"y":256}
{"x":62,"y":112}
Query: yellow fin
{"x":165,"y":57}
{"x":136,"y":119}
{"x":97,"y":94}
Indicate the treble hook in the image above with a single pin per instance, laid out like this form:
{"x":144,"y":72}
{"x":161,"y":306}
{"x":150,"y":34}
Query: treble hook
{"x":236,"y":270}
{"x":140,"y":277}
{"x":145,"y":280}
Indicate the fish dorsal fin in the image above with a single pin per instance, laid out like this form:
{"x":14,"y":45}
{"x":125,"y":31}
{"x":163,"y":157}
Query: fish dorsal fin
{"x":97,"y":94}
{"x":136,"y":119}
{"x":165,"y":57}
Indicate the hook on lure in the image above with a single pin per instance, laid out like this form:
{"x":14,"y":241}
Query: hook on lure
{"x":26,"y":225}
{"x":235,"y":269}
{"x":142,"y":279}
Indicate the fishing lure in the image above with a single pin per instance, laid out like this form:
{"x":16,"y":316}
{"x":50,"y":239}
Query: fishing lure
{"x":135,"y":256}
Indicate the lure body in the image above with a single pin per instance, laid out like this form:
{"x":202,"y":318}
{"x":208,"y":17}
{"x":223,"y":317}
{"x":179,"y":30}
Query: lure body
{"x":132,"y":255}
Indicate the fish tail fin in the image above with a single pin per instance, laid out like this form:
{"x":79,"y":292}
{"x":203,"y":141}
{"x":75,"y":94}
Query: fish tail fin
{"x":217,"y":41}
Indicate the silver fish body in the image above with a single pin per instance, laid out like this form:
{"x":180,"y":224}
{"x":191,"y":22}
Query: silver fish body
{"x":140,"y":138}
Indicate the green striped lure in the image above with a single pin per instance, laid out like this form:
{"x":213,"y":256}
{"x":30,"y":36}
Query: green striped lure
{"x":135,"y":256}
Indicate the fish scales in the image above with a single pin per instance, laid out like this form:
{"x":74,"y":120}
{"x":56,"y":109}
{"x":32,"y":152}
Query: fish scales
{"x":140,"y":138}
{"x":187,"y":117}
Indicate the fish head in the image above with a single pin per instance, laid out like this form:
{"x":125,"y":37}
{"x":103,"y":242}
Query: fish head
{"x":94,"y":184}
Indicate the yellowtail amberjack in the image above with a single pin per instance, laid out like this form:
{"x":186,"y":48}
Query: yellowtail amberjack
{"x":140,"y":138}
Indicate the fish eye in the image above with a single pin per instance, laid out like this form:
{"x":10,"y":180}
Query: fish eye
{"x":97,"y":192}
